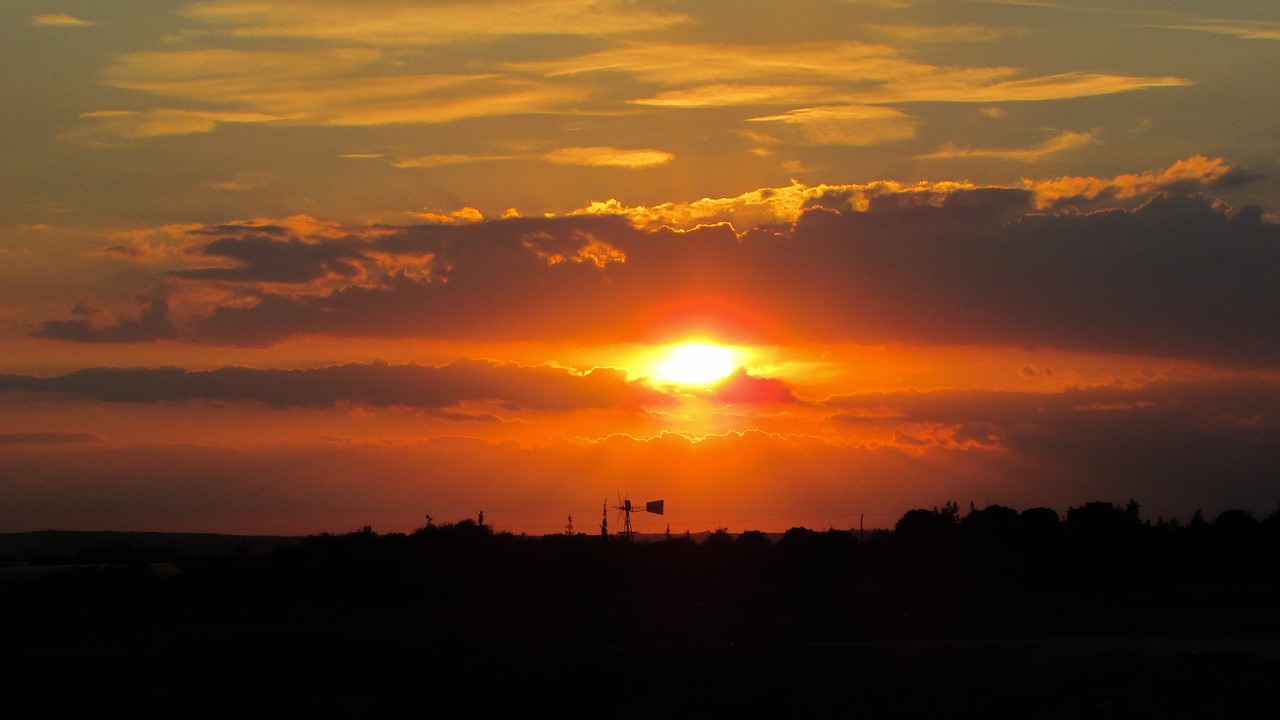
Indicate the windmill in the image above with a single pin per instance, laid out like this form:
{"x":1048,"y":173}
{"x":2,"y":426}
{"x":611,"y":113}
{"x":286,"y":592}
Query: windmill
{"x":625,"y":507}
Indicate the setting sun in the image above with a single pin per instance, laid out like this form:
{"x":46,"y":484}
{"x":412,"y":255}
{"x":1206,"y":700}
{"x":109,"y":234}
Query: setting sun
{"x":696,"y":364}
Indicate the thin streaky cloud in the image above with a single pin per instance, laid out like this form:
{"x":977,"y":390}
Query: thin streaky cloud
{"x":114,"y":127}
{"x":430,"y":161}
{"x":1062,"y":142}
{"x":403,"y":23}
{"x":855,"y":125}
{"x":247,"y":180}
{"x":59,"y":20}
{"x":598,"y":156}
{"x":941,"y":33}
{"x":330,"y":86}
{"x":606,"y":156}
{"x":729,"y":94}
{"x":1242,"y":29}
{"x":46,"y":438}
{"x":717,"y":75}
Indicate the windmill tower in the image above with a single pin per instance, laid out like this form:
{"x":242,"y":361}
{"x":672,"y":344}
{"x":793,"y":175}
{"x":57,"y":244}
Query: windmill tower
{"x":625,"y":507}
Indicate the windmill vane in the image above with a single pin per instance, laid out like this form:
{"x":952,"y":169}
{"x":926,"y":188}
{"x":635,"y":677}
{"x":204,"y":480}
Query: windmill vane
{"x":625,"y":507}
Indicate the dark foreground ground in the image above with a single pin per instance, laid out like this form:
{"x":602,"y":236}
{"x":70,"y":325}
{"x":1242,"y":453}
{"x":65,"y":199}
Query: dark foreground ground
{"x":466,"y":622}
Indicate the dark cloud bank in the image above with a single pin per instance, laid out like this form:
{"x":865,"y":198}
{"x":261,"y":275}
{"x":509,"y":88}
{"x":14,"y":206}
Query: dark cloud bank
{"x":1180,"y":276}
{"x":374,"y":385}
{"x":1174,"y":439}
{"x":1179,"y":444}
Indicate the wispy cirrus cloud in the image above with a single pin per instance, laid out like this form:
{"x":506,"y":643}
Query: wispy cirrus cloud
{"x":114,"y":127}
{"x":1242,"y":29}
{"x":332,"y":64}
{"x":605,"y":156}
{"x":852,"y":72}
{"x":46,"y":438}
{"x":728,"y":95}
{"x":599,"y":156}
{"x":940,"y":33}
{"x":241,"y":181}
{"x":857,"y":125}
{"x":1062,"y":142}
{"x":58,"y":20}
{"x":396,"y":23}
{"x":325,"y":86}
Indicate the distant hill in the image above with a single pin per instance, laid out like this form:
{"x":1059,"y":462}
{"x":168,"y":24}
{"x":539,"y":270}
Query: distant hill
{"x":68,"y":545}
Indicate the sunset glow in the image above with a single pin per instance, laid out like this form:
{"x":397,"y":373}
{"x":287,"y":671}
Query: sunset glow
{"x":297,"y":267}
{"x":696,"y":364}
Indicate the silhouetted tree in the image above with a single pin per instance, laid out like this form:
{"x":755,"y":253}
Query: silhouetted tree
{"x":926,"y":526}
{"x":1037,"y":543}
{"x":1234,"y":537}
{"x":718,"y":539}
{"x":990,"y":535}
{"x":1234,"y":524}
{"x":1102,"y":520}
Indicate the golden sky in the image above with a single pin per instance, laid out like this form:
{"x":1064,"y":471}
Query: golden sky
{"x":295,"y":267}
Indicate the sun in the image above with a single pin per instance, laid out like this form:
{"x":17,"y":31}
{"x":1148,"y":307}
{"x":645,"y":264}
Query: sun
{"x":696,"y":363}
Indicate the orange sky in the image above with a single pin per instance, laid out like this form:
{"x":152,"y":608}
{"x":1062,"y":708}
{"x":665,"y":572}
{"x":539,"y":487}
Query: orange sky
{"x":272,"y":271}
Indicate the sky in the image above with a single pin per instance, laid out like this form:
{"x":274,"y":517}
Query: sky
{"x":300,"y":267}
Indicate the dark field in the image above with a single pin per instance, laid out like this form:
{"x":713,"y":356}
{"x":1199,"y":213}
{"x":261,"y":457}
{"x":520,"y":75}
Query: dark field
{"x":994,"y":615}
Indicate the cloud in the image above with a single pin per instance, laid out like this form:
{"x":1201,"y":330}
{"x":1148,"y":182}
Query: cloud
{"x":58,"y":20}
{"x":391,"y":23}
{"x":465,"y":214}
{"x":727,"y":95}
{"x":46,"y":438}
{"x":1062,"y":142}
{"x":1242,"y":29}
{"x":783,"y":205}
{"x":1173,"y":439}
{"x":742,"y":388}
{"x":1176,"y":275}
{"x":328,"y":64}
{"x":765,"y":206}
{"x":1172,"y":461}
{"x":247,"y":180}
{"x":1185,"y":175}
{"x":600,"y":156}
{"x":153,"y":324}
{"x":430,"y":161}
{"x":939,"y":33}
{"x":608,"y":157}
{"x":511,"y":386}
{"x":858,"y":125}
{"x":264,"y":258}
{"x":114,"y":127}
{"x":962,"y":88}
{"x":316,"y":86}
{"x":852,"y":73}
